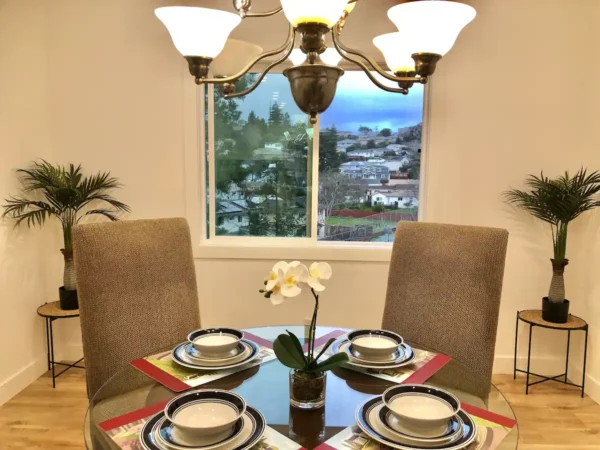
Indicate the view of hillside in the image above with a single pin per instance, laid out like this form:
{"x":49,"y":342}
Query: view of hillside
{"x":368,"y":170}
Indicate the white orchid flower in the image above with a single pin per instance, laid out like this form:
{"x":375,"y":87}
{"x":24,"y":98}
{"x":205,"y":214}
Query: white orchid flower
{"x":318,"y":271}
{"x":284,"y":279}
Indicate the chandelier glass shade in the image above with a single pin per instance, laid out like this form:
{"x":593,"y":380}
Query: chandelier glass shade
{"x":397,"y":56}
{"x":198,"y":31}
{"x":427,"y":30}
{"x":431,"y":26}
{"x":327,"y":12}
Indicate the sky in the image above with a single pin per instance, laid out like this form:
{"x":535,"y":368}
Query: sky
{"x":357,"y":102}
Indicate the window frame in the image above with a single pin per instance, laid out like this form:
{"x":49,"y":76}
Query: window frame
{"x":255,"y":247}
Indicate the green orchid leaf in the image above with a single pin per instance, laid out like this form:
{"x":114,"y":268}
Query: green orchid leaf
{"x":286,"y":352}
{"x":333,"y":362}
{"x":325,"y":347}
{"x":298,"y":345}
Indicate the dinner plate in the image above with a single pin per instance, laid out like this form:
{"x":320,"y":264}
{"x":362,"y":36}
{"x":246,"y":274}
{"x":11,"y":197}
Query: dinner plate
{"x":192,"y":352}
{"x":180,"y":357}
{"x":168,"y":434}
{"x":394,"y":427}
{"x":342,"y":345}
{"x":253,"y":429}
{"x":368,"y":421}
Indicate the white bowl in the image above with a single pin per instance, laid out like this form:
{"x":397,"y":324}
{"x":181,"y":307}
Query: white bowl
{"x":375,"y":344}
{"x":206,"y":416}
{"x":215,"y":341}
{"x":423,"y":409}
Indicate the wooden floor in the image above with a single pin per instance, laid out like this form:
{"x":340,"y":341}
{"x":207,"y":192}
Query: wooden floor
{"x":553,"y":416}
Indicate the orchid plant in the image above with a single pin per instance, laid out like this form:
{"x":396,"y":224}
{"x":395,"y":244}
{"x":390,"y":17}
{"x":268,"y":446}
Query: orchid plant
{"x":286,"y":281}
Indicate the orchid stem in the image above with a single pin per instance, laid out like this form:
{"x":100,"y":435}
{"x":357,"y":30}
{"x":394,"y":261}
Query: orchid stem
{"x":312,"y":330}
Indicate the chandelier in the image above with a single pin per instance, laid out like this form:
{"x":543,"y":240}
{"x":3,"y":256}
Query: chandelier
{"x":427,"y":30}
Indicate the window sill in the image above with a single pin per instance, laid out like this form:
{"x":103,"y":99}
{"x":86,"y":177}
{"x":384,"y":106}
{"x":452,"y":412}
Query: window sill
{"x":299,"y":250}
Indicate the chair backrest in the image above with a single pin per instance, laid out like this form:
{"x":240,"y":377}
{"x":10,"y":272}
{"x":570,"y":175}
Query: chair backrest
{"x":137,"y":291}
{"x":444,"y":288}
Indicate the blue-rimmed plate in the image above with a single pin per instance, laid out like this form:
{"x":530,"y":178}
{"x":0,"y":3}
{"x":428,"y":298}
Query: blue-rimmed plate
{"x":254,"y":426}
{"x":180,"y":356}
{"x":403,"y":358}
{"x":395,"y":427}
{"x":367,"y":419}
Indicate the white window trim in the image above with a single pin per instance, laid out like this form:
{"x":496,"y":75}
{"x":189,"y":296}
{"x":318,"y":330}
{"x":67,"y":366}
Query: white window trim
{"x":227,"y":247}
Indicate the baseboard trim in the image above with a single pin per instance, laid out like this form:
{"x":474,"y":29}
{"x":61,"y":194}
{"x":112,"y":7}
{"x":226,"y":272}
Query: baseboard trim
{"x":592,"y":384}
{"x":18,"y":381}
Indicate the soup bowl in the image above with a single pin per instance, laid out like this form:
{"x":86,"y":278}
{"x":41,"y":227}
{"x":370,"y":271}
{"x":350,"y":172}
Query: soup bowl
{"x":375,"y":343}
{"x":206,"y":416}
{"x":423,"y":409}
{"x":215,"y":341}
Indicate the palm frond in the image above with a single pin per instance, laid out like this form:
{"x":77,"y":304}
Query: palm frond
{"x":558,"y":200}
{"x":103,"y":212}
{"x":31,"y":211}
{"x":105,"y":198}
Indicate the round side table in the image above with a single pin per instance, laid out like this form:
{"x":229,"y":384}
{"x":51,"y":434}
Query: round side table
{"x":534,"y":318}
{"x":52,"y":312}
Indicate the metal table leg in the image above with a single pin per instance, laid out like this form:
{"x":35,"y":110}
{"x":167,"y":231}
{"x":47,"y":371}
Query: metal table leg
{"x":52,"y":354}
{"x":516,"y":338}
{"x":567,"y":361}
{"x":584,"y":363}
{"x":528,"y":360}
{"x":48,"y":342}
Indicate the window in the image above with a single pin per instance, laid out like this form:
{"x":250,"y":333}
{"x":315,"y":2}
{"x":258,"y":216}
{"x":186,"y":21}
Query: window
{"x":262,"y":173}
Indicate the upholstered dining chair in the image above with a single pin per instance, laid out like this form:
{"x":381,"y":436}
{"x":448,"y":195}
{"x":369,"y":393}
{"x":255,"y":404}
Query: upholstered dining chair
{"x":137,"y":292}
{"x":443,"y":293}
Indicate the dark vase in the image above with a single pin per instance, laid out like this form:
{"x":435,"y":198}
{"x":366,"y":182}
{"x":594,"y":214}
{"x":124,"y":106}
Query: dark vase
{"x":555,"y":312}
{"x":68,"y":299}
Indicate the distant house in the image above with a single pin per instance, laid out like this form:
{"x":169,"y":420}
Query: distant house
{"x":395,"y":165}
{"x":371,"y":173}
{"x":232,"y":215}
{"x":369,"y":153}
{"x":393,"y":198}
{"x":396,"y":147}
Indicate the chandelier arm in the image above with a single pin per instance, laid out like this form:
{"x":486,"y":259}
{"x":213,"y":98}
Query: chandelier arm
{"x":291,"y":38}
{"x":265,"y":14}
{"x":341,"y":47}
{"x":375,"y":81}
{"x":264,"y":73}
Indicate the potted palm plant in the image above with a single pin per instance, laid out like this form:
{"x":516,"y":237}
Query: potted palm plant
{"x":308,"y":369}
{"x":558,"y":201}
{"x":65,"y":193}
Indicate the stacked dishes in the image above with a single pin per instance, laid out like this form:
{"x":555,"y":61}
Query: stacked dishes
{"x":375,"y":349}
{"x":204,"y":420}
{"x":414,"y":416}
{"x":215,"y":349}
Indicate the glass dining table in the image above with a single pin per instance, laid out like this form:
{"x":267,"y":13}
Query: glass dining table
{"x":266,"y":388}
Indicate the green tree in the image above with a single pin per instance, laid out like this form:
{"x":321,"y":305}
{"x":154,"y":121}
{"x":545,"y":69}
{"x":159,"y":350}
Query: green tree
{"x":364,"y":130}
{"x":398,"y":140}
{"x":414,"y":170}
{"x":389,"y":153}
{"x":371,"y":143}
{"x":386,"y":132}
{"x":329,"y":157}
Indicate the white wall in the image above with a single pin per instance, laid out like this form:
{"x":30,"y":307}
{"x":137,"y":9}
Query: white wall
{"x":24,"y":259}
{"x":501,"y":107}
